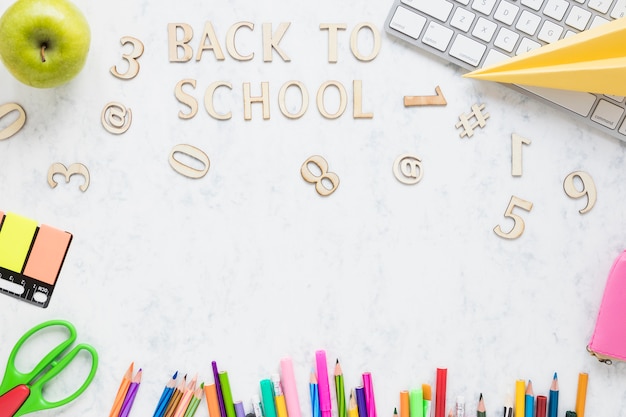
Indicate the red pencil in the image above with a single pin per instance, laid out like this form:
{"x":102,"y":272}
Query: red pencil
{"x":440,"y":393}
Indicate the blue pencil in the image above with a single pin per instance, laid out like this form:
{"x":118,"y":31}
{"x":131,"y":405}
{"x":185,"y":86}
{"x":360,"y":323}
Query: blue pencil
{"x":165,"y":396}
{"x":529,"y":406}
{"x":315,"y":398}
{"x":361,"y":401}
{"x":553,"y":400}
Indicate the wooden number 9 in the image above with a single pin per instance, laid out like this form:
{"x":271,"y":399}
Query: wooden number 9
{"x":588,"y":189}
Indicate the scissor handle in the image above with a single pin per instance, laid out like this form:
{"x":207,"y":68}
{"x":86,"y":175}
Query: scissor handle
{"x":36,"y":400}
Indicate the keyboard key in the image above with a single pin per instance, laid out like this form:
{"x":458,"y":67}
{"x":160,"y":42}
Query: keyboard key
{"x":506,"y":12}
{"x":506,"y":39}
{"x":494,"y":57}
{"x":600,"y":5}
{"x":550,"y":32}
{"x":533,"y":4}
{"x":463,"y":2}
{"x":528,"y":22}
{"x":462,"y":19}
{"x":484,"y":6}
{"x":619,"y":10}
{"x":598,"y":21}
{"x":526,"y":45}
{"x":576,"y":101}
{"x":437,"y":36}
{"x":484,"y":29}
{"x":619,"y":99}
{"x":407,"y":22}
{"x":607,"y":114}
{"x":578,"y":18}
{"x":439,"y":9}
{"x":556,"y":9}
{"x":467,"y":50}
{"x":622,"y":129}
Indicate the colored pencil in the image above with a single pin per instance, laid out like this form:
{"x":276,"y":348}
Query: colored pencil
{"x":267,"y":397}
{"x":440,"y":392}
{"x":212,"y":402}
{"x":257,"y":406}
{"x":186,"y":398}
{"x":428,"y":399}
{"x":121,"y":392}
{"x":314,"y":394}
{"x":370,"y":398}
{"x":131,"y":394}
{"x":553,"y":400}
{"x":165,"y":396}
{"x":361,"y":401}
{"x":581,"y":394}
{"x":279,"y":396}
{"x":395,"y":412}
{"x":323,"y":384}
{"x":529,"y":400}
{"x":218,"y":388}
{"x":405,"y":404}
{"x":520,"y":397}
{"x":481,"y":411}
{"x":239,"y":409}
{"x":227,"y":395}
{"x":353,"y":408}
{"x":542,"y":403}
{"x":290,"y":388}
{"x":416,"y":402}
{"x":195,"y":401}
{"x":340,"y":391}
{"x":176,"y":396}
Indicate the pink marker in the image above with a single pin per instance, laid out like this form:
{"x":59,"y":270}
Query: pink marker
{"x":290,"y":389}
{"x":322,"y":383}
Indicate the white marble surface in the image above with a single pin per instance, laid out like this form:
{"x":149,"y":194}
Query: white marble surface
{"x":249,"y":264}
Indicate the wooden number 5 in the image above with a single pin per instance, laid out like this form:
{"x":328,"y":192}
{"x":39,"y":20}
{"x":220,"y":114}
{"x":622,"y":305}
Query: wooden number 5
{"x":131,"y":58}
{"x":59,"y":168}
{"x":518,"y":223}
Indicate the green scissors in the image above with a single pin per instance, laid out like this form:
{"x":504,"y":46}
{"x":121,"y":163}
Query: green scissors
{"x":22,"y":393}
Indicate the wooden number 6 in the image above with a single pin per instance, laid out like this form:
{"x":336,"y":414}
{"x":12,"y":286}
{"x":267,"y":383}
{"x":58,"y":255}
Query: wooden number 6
{"x":58,"y":168}
{"x":14,"y":127}
{"x":518,"y":225}
{"x":588,"y":189}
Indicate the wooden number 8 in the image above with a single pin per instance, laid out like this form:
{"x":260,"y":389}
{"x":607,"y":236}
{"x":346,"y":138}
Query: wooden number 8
{"x":318,"y":180}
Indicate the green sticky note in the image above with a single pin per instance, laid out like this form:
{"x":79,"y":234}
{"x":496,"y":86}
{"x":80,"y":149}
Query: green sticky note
{"x":16,"y":237}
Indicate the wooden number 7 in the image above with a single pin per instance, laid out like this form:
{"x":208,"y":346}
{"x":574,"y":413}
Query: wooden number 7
{"x":518,"y":223}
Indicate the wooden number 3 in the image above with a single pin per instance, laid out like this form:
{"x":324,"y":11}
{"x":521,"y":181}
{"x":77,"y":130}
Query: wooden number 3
{"x":131,"y":58}
{"x":58,"y":168}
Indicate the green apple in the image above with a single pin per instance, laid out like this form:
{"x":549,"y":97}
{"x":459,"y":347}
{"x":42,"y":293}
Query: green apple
{"x":44,"y":43}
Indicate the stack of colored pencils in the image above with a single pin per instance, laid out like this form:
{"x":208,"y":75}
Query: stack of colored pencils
{"x":126,"y":393}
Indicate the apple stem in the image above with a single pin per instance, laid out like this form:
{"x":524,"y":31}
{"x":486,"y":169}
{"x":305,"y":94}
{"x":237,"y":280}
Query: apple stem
{"x":43,"y":53}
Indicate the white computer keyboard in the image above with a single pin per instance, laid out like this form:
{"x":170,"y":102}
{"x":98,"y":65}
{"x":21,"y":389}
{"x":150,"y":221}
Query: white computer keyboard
{"x":478,"y":33}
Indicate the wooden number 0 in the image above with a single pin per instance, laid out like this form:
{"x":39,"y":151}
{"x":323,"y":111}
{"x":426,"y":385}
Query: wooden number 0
{"x":14,"y":127}
{"x":324,"y":176}
{"x":518,"y":225}
{"x":194,"y":153}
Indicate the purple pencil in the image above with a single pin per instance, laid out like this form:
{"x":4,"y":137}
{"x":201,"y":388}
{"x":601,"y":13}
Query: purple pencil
{"x":130,"y":395}
{"x":218,"y":388}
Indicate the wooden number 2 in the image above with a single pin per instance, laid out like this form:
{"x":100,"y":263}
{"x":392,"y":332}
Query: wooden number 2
{"x":59,"y":168}
{"x":131,"y":58}
{"x":518,"y":223}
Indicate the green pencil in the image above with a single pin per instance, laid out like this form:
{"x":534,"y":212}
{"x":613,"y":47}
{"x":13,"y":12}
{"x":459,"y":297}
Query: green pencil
{"x":340,"y":391}
{"x":227,"y":394}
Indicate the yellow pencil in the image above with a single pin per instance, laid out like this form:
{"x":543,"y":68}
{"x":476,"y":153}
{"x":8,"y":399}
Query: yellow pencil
{"x":581,"y":394}
{"x":121,"y":392}
{"x":353,"y":409}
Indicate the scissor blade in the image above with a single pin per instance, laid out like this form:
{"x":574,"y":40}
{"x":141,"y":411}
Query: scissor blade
{"x":12,"y":400}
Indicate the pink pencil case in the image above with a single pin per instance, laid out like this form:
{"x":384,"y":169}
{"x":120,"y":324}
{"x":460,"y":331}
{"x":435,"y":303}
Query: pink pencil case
{"x":608,"y":342}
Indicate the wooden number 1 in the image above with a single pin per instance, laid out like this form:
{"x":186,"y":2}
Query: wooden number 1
{"x":516,"y":154}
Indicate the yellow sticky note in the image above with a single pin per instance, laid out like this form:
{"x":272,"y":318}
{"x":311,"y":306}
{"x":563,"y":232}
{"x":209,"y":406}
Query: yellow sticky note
{"x":16,"y":237}
{"x":592,"y":61}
